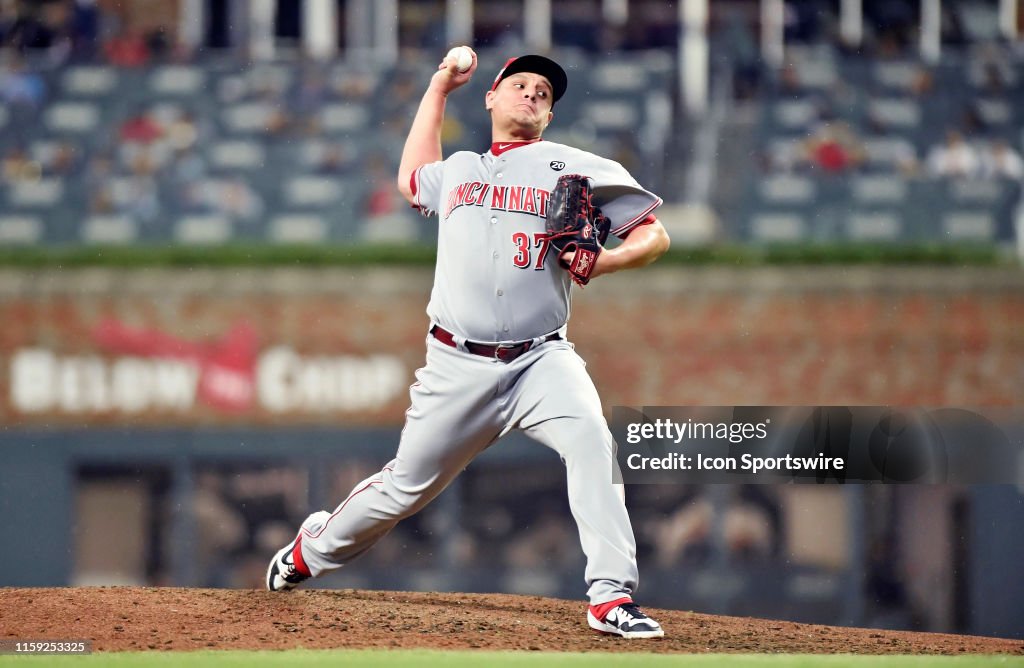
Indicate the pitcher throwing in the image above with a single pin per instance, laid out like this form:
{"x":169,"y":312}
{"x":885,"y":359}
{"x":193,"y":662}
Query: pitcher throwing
{"x":498,"y":357}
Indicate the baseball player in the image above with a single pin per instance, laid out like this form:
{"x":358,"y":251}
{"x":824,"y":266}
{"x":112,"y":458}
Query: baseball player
{"x":497,"y":354}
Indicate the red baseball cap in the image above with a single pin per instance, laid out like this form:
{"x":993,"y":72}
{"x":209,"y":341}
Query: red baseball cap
{"x":545,"y":67}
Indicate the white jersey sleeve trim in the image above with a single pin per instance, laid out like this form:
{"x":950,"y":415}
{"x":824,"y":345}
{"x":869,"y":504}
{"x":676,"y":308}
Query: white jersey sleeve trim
{"x":626,"y":227}
{"x":417,"y":201}
{"x":416,"y":188}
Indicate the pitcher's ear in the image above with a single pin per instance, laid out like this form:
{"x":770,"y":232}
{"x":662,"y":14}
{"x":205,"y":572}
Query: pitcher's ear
{"x":488,"y":97}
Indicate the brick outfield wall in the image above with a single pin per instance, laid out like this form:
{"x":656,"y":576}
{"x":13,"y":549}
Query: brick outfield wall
{"x":801,"y":336}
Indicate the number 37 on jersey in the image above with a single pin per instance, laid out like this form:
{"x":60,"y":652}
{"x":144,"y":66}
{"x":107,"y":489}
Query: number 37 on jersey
{"x":524,"y":256}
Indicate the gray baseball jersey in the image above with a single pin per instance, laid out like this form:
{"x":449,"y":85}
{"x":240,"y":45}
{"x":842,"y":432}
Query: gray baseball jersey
{"x":496,"y":282}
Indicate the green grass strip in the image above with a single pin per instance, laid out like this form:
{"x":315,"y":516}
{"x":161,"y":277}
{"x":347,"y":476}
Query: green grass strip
{"x":430,"y":659}
{"x":256,"y":254}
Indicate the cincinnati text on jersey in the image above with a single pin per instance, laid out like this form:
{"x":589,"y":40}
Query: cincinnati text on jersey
{"x":517,"y":199}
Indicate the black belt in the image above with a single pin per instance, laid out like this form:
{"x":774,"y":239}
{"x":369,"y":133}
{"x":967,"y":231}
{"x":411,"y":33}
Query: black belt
{"x":506,"y":352}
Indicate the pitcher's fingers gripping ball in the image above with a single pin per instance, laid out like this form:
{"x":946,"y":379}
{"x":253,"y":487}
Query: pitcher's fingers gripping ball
{"x":575,"y":226}
{"x":462,"y":56}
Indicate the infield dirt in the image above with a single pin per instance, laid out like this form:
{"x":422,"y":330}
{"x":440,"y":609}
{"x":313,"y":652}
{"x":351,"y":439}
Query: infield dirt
{"x":145,"y":618}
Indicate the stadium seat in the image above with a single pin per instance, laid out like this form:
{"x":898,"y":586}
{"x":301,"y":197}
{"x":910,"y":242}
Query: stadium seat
{"x":788,"y":189}
{"x":209,"y":229}
{"x":618,"y":76}
{"x":878,"y":189}
{"x":778,"y":227}
{"x":896,"y":76}
{"x":78,"y":117}
{"x":21,"y":229}
{"x":89,"y":80}
{"x":240,"y":154}
{"x":177,"y":80}
{"x":298,"y":228}
{"x":895,"y":112}
{"x":965,"y":225}
{"x":976,"y":191}
{"x":795,"y":115}
{"x":41,"y":193}
{"x":309,"y":190}
{"x":112,"y":229}
{"x":874,"y":226}
{"x":613,"y":114}
{"x":344,"y":117}
{"x":249,"y":117}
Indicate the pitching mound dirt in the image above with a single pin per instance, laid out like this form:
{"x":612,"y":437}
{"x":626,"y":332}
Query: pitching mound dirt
{"x":136,"y":618}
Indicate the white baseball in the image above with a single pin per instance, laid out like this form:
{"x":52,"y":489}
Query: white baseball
{"x":462,"y":56}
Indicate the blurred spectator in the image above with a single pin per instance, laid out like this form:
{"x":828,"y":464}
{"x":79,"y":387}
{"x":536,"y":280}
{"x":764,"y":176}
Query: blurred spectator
{"x":136,"y":195}
{"x":789,"y":84}
{"x":237,"y":200}
{"x":19,"y":166}
{"x":59,"y":158}
{"x":311,"y":95}
{"x":30,"y":29}
{"x":98,"y":170}
{"x":140,"y":198}
{"x":972,"y":120}
{"x":922,"y":83}
{"x":66,"y":159}
{"x":187,"y":166}
{"x":453,"y":130}
{"x":652,"y":25}
{"x":953,"y":158}
{"x":888,"y":603}
{"x":991,"y":69}
{"x":386,"y":214}
{"x":182,"y":131}
{"x":893,"y":23}
{"x":348,"y":84}
{"x":400,"y":94}
{"x":6,"y":22}
{"x":751,"y":525}
{"x":145,"y":142}
{"x":575,"y":24}
{"x":900,"y":156}
{"x":834,"y":148}
{"x":626,"y":152}
{"x":19,"y":86}
{"x":140,"y":128}
{"x":101,"y":202}
{"x":159,"y":44}
{"x":84,"y":29}
{"x":994,"y":81}
{"x":232,"y":197}
{"x":682,"y":535}
{"x":127,"y":49}
{"x":802,"y":21}
{"x":221,"y":530}
{"x":737,"y":39}
{"x":1000,"y":160}
{"x":548,"y":543}
{"x":951,"y":26}
{"x":333,"y":158}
